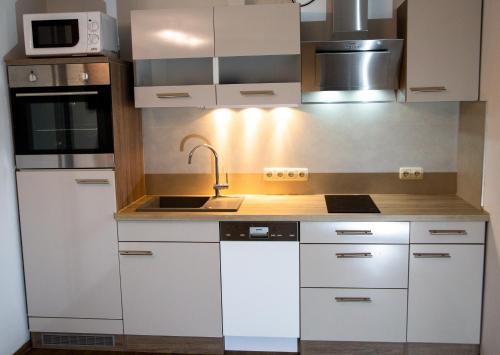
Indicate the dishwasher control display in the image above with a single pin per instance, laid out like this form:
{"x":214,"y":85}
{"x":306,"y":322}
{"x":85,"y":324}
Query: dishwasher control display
{"x":259,"y":232}
{"x":271,"y":231}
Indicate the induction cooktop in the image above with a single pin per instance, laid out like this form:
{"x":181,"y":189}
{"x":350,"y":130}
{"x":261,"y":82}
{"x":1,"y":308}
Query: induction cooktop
{"x":350,"y":204}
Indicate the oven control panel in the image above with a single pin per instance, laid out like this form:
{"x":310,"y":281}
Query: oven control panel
{"x":259,"y":231}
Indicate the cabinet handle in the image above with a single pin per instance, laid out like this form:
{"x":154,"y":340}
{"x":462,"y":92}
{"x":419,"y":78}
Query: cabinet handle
{"x":136,"y":252}
{"x":354,"y":255}
{"x":173,"y":95}
{"x":354,"y":232}
{"x":92,"y":181}
{"x":432,"y":255}
{"x":429,"y":89}
{"x":448,"y":232}
{"x":353,"y":299}
{"x":257,"y":92}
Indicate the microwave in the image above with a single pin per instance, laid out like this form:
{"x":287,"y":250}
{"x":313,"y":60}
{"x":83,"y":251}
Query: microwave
{"x":72,"y":33}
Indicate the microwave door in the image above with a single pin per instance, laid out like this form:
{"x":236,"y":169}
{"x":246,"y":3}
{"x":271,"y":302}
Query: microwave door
{"x":55,"y":34}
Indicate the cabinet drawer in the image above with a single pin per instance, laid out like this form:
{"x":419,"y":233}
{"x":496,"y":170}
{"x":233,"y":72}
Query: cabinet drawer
{"x":447,"y":232}
{"x":268,"y":94}
{"x":360,"y":266}
{"x":353,"y":315}
{"x":168,"y":231}
{"x":355,"y":232}
{"x":175,"y":96}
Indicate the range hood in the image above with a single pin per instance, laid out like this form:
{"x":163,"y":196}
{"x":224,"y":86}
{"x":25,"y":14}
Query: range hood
{"x":347,"y":67}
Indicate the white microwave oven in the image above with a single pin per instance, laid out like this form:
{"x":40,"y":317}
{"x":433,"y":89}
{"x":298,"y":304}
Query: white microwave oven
{"x":72,"y":33}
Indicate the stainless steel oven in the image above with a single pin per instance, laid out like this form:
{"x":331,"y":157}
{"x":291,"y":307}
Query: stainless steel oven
{"x":62,"y":116}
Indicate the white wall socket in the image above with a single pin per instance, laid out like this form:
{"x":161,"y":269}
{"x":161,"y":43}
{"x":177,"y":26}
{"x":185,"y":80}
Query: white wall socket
{"x":411,"y":173}
{"x":286,"y":174}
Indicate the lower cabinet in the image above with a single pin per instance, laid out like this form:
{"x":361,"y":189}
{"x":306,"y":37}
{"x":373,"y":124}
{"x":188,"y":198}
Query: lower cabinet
{"x":353,"y":314}
{"x":445,"y":293}
{"x":171,"y":289}
{"x":70,"y":250}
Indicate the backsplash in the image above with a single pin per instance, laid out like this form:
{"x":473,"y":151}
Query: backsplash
{"x":342,"y":138}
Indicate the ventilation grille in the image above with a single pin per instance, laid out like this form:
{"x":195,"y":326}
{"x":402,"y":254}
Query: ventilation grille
{"x":79,"y":340}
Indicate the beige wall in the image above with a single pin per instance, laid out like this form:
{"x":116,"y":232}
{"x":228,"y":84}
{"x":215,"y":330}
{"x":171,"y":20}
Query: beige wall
{"x":324,"y":138}
{"x":490,"y":91}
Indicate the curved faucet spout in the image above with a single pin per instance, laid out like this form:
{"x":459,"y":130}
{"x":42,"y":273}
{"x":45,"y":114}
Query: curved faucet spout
{"x":218,"y":186}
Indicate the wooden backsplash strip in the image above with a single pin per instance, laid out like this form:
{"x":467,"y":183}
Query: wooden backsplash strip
{"x":319,"y":183}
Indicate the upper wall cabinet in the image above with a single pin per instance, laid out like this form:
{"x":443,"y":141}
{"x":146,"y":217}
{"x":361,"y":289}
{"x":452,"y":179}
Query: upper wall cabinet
{"x":251,"y":53}
{"x":257,"y":30}
{"x":173,"y":57}
{"x":173,"y":33}
{"x":443,"y":39}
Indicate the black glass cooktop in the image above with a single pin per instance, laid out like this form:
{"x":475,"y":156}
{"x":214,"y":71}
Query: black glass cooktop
{"x":350,"y":204}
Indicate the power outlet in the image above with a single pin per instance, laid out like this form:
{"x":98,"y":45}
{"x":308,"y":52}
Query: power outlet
{"x":286,"y":174}
{"x":411,"y":173}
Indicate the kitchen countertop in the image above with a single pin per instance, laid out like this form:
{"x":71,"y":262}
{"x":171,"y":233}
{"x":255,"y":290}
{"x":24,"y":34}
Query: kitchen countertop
{"x":313,"y":208}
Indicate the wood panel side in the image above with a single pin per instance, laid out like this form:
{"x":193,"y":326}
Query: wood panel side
{"x":24,"y":349}
{"x":471,"y":136}
{"x":172,"y":345}
{"x":127,"y":135}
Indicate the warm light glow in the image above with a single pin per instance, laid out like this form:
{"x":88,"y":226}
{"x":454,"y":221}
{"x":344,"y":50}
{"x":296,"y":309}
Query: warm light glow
{"x":349,"y":96}
{"x":180,"y":38}
{"x":251,"y":118}
{"x":222,"y":118}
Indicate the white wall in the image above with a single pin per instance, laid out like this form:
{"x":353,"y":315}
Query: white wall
{"x":352,"y":138}
{"x":13,"y":321}
{"x":489,"y":91}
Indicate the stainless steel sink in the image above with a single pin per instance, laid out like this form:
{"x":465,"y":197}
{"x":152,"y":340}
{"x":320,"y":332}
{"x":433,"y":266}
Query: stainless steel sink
{"x":191,"y":204}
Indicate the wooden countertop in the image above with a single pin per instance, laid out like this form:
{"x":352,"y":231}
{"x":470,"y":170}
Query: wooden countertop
{"x":313,"y":208}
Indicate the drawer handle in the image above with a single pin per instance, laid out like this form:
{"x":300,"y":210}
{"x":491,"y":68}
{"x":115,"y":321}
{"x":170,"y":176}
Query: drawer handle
{"x":173,"y":95}
{"x":353,"y":299}
{"x":92,"y":181}
{"x":354,"y":232}
{"x":257,"y":92}
{"x":354,"y":255}
{"x":429,"y":89}
{"x":136,"y":252}
{"x":448,"y":232}
{"x":432,"y":255}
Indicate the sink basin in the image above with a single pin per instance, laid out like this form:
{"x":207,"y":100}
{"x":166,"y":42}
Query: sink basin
{"x":191,"y":204}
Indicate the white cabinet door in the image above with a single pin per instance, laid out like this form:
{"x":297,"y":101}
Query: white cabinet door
{"x":175,"y":96}
{"x":443,"y":50}
{"x":70,"y":243}
{"x":172,"y":33}
{"x":257,"y":30}
{"x":171,"y":289}
{"x":251,"y":95}
{"x":445,"y":293}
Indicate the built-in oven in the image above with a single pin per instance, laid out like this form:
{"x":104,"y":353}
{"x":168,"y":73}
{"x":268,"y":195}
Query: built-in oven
{"x":62,"y":116}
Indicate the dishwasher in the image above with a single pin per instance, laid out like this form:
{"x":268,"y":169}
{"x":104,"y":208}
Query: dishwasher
{"x":260,"y":286}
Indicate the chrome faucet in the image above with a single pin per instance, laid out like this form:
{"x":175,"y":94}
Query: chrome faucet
{"x":217,"y":186}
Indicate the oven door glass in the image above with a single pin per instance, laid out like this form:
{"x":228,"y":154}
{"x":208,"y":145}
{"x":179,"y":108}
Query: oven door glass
{"x":69,"y":120}
{"x":55,"y":33}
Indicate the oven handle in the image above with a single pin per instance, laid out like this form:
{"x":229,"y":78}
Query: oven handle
{"x":62,"y":93}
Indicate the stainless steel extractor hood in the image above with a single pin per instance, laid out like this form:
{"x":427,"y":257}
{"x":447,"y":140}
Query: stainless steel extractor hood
{"x":347,"y":67}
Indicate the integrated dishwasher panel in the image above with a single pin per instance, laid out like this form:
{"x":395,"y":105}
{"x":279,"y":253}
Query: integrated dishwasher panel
{"x":260,"y":285}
